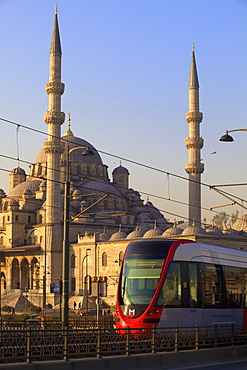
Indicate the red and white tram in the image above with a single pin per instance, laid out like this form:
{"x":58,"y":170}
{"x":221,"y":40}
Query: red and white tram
{"x":167,"y":282}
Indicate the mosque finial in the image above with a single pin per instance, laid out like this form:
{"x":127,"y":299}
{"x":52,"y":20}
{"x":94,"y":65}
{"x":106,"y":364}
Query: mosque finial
{"x":193,"y":47}
{"x":69,"y":132}
{"x":56,"y":9}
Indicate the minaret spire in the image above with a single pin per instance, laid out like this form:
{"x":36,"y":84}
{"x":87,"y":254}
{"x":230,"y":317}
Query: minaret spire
{"x":194,"y":144}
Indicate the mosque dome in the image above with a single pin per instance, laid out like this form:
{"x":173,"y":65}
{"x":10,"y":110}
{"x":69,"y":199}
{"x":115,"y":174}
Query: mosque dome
{"x":120,"y":169}
{"x":137,"y":233}
{"x":194,"y":230}
{"x":241,"y":223}
{"x":21,"y":188}
{"x":76,"y":155}
{"x":152,"y":233}
{"x":99,"y":186}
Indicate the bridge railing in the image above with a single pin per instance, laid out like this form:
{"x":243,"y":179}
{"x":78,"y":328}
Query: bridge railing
{"x":35,"y":343}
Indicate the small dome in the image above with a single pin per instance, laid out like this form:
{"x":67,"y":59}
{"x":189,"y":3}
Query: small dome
{"x":84,"y":203}
{"x":118,"y":235}
{"x":143,"y":218}
{"x":194,"y":230}
{"x":19,"y":170}
{"x":12,"y":202}
{"x":137,"y":233}
{"x":27,"y":192}
{"x":214,"y":231}
{"x":103,"y":237}
{"x":152,"y":233}
{"x":172,"y":231}
{"x":120,"y":169}
{"x":2,"y":193}
{"x":241,"y":223}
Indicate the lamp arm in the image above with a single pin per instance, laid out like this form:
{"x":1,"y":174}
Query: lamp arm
{"x":238,"y":129}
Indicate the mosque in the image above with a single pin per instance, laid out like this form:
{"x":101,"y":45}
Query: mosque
{"x":104,"y":215}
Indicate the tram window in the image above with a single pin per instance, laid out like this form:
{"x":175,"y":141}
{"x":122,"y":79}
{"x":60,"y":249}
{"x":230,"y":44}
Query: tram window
{"x":214,"y":296}
{"x":235,"y":279}
{"x":193,"y":284}
{"x":171,"y":292}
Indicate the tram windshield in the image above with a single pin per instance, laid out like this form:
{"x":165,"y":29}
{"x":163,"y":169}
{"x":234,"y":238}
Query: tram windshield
{"x":141,"y":273}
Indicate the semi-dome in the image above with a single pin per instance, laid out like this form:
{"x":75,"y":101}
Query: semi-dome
{"x":143,"y":218}
{"x":21,"y":188}
{"x":241,"y":223}
{"x":99,"y":186}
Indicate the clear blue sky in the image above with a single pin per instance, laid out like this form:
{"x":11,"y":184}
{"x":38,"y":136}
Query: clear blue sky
{"x":126,"y":68}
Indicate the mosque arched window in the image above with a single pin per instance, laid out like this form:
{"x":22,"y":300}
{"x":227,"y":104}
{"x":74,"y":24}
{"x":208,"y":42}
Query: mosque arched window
{"x":118,"y":220}
{"x":34,"y":274}
{"x":1,"y":240}
{"x":88,"y":170}
{"x":104,"y":259}
{"x":78,"y":170}
{"x":29,"y":219}
{"x":25,"y":283}
{"x":15,"y":274}
{"x":40,"y":239}
{"x":3,"y":220}
{"x":72,"y":261}
{"x":115,"y":204}
{"x":3,"y":282}
{"x":105,"y":205}
{"x":128,"y":220}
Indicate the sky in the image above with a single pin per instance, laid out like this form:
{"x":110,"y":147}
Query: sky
{"x":126,"y":68}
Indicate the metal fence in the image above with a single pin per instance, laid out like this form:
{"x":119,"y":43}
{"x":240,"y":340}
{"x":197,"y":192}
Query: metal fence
{"x":51,"y":342}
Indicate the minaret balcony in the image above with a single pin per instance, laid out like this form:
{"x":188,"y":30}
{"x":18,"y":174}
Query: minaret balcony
{"x":194,"y":143}
{"x":194,"y":168}
{"x":194,"y":117}
{"x":54,"y":117}
{"x":55,"y":87}
{"x":53,"y":146}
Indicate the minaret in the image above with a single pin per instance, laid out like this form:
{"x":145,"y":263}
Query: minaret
{"x":194,"y":144}
{"x":53,"y":148}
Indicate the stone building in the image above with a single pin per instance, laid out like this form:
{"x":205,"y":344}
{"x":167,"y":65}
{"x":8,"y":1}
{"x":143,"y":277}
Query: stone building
{"x":31,"y":214}
{"x":105,"y":215}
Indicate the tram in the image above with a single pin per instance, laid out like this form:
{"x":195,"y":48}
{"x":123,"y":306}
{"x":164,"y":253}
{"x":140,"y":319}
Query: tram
{"x":164,"y":283}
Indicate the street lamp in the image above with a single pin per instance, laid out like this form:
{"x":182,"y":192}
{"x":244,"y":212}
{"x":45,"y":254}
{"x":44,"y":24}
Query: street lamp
{"x":65,"y":264}
{"x":228,"y":138}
